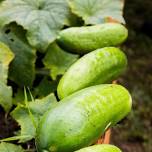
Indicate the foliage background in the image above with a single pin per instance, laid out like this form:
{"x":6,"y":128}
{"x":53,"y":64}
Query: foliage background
{"x":133,"y":134}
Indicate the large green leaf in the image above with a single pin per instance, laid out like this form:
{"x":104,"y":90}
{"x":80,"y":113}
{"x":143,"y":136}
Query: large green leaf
{"x":37,"y":109}
{"x":6,"y":56}
{"x":7,"y":147}
{"x":57,"y":60}
{"x":22,"y":69}
{"x":98,"y":11}
{"x":41,"y":18}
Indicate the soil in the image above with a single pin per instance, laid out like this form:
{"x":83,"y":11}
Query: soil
{"x":7,"y":125}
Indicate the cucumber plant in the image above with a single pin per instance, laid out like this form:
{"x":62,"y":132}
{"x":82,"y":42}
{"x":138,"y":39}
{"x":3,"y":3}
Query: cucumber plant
{"x":64,"y":52}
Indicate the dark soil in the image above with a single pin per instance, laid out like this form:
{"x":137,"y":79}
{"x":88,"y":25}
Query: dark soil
{"x":7,"y":125}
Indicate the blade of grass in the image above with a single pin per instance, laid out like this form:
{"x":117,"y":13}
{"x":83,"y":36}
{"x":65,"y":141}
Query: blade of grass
{"x":27,"y":105}
{"x":32,"y":98}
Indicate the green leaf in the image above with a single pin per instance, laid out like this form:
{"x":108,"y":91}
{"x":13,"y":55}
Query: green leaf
{"x":37,"y":109}
{"x":57,"y":60}
{"x":22,"y":69}
{"x":74,"y":20}
{"x":7,"y":147}
{"x":41,"y":105}
{"x":18,"y":97}
{"x":6,"y":56}
{"x":41,"y":18}
{"x":21,"y":115}
{"x":45,"y":87}
{"x":98,"y":11}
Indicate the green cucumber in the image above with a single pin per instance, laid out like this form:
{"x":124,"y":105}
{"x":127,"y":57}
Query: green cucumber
{"x":100,"y":148}
{"x":97,"y":67}
{"x":81,"y":118}
{"x":85,"y":39}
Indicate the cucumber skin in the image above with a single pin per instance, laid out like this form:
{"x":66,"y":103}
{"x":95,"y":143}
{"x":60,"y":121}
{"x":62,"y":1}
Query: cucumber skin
{"x":80,"y":119}
{"x":100,"y":148}
{"x":97,"y":67}
{"x":82,"y":40}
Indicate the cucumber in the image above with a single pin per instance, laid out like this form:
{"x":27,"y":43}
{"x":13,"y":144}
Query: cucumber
{"x":85,"y":39}
{"x":97,"y":67}
{"x":100,"y":148}
{"x":81,"y":118}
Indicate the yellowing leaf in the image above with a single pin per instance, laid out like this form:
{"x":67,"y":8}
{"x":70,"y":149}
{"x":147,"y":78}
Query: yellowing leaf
{"x":98,"y":11}
{"x":5,"y":96}
{"x":6,"y":56}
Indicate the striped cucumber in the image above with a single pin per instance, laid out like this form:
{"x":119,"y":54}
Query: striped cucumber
{"x":97,"y":67}
{"x":85,"y":39}
{"x":81,"y":118}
